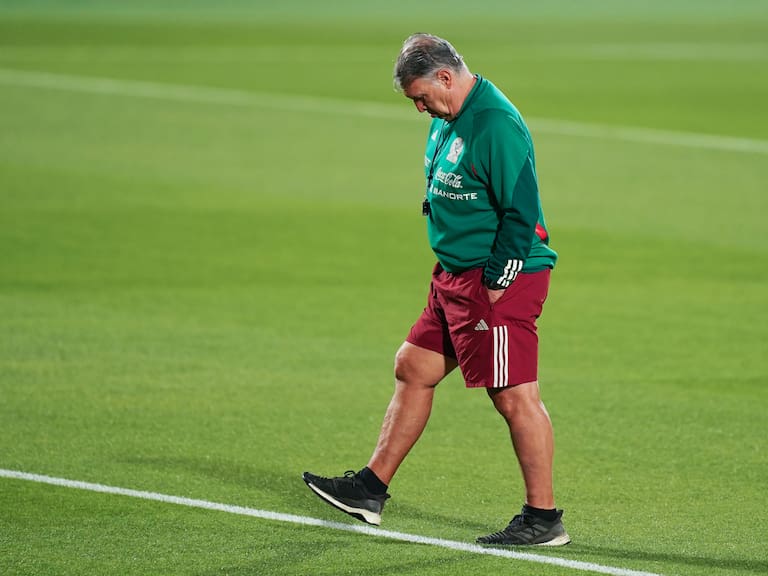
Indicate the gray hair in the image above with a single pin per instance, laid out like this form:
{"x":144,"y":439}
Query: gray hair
{"x":421,"y":56}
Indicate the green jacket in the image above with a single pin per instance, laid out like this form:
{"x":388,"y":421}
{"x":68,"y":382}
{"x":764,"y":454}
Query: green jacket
{"x":484,"y":205}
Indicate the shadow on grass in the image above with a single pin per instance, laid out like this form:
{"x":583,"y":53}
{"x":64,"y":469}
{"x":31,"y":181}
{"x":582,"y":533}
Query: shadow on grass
{"x":247,"y":477}
{"x":711,"y":561}
{"x":336,"y":553}
{"x":438,"y":519}
{"x":288,"y":487}
{"x":286,"y":567}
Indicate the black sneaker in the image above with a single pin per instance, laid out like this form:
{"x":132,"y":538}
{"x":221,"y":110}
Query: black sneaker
{"x":525,"y":529}
{"x":348,"y":494}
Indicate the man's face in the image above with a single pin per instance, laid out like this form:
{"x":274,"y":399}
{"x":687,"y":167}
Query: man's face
{"x":430,"y":95}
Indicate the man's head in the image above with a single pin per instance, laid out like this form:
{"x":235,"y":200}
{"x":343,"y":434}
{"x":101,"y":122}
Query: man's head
{"x":430,"y":72}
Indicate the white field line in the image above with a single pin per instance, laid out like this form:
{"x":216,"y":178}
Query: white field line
{"x":249,"y":55}
{"x":203,"y":94}
{"x":357,"y":108}
{"x":307,"y":521}
{"x":659,"y":51}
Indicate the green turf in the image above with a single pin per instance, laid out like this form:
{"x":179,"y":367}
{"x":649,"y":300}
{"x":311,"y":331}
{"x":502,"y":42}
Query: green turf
{"x":201,"y":292}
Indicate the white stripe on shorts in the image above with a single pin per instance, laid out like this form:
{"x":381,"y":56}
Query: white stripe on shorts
{"x":500,"y":357}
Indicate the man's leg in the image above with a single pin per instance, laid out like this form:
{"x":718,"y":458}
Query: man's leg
{"x":539,"y":523}
{"x":362,"y":495}
{"x":531,"y":432}
{"x":417,"y":372}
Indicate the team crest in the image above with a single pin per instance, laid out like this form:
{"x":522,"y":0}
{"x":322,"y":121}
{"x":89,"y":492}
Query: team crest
{"x":457,"y":147}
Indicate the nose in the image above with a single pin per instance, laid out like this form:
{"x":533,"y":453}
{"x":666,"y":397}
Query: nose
{"x":420,"y":106}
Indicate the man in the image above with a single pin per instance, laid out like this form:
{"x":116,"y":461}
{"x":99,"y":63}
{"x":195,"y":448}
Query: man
{"x":486,"y":227}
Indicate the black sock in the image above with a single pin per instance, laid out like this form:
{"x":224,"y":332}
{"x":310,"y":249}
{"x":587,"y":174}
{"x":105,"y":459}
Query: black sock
{"x":548,"y":515}
{"x":372,"y":482}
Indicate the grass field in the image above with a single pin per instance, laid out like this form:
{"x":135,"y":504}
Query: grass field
{"x":210,"y":248}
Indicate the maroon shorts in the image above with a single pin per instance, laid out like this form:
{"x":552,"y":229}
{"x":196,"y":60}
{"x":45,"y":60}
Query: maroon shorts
{"x":495,"y":345}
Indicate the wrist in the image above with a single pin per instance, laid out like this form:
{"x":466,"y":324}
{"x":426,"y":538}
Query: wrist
{"x":492,"y":284}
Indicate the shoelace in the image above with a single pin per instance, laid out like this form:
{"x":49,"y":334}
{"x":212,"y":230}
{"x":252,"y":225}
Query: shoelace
{"x":350,"y":476}
{"x":357,"y":482}
{"x":519,"y":520}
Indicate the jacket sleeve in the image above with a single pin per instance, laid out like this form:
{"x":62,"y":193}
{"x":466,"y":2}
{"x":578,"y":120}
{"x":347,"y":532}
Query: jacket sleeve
{"x":512,"y":187}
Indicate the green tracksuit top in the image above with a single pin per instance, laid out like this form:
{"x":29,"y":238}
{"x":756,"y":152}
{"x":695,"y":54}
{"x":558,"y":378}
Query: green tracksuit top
{"x":484,"y":205}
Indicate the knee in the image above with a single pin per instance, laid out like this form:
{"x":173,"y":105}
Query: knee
{"x":517,"y":401}
{"x":506,"y":405}
{"x":406,"y":369}
{"x":412,"y":370}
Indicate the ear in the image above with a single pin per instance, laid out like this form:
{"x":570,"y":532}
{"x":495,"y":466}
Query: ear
{"x":445,"y":77}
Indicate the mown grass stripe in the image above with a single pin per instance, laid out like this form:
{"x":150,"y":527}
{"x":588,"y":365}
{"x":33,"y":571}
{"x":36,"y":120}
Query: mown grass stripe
{"x":312,"y":104}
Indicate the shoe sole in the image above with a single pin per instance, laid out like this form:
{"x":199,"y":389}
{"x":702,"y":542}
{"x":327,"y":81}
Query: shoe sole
{"x":561,"y":540}
{"x":360,"y":513}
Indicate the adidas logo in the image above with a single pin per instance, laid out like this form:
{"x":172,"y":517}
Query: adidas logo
{"x":481,"y":325}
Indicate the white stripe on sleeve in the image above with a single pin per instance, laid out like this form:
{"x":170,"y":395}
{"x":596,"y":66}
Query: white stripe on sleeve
{"x":510,"y":272}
